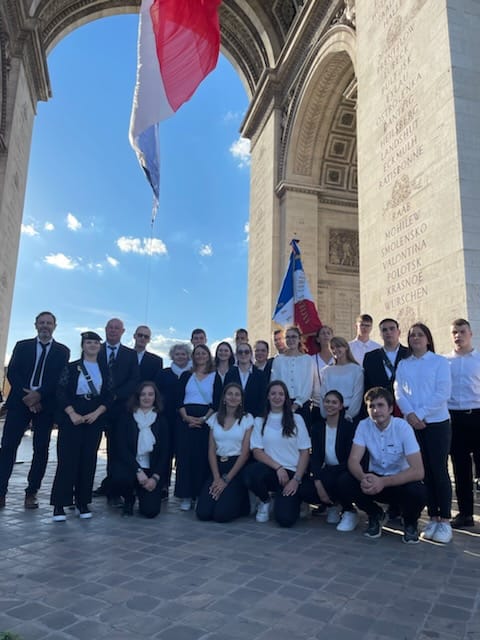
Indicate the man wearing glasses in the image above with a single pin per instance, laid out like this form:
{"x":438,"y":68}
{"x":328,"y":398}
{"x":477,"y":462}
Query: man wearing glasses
{"x":149,"y":363}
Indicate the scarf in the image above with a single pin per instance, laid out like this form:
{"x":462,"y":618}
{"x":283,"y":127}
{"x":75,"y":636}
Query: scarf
{"x":178,"y":371}
{"x":146,"y":439}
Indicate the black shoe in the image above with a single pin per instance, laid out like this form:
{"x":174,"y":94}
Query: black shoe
{"x":460,"y":521}
{"x":375,"y":524}
{"x":127,"y":510}
{"x":99,"y":492}
{"x":410,"y":534}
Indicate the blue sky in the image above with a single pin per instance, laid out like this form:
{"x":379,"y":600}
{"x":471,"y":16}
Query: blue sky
{"x":85,"y":250}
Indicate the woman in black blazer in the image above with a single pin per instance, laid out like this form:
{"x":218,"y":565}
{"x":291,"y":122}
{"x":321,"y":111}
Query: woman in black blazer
{"x":84,"y":394}
{"x":251,"y":380}
{"x":332,"y":439}
{"x":143,"y":451}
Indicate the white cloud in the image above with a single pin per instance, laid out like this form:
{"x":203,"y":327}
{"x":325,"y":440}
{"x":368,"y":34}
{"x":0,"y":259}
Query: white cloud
{"x":73,"y":223}
{"x":112,"y":261}
{"x":147,"y":246}
{"x":49,"y":226}
{"x":28,"y":230}
{"x":232,"y":116}
{"x":61,"y":261}
{"x":206,"y":250}
{"x":95,"y":266}
{"x":246,"y":229}
{"x":240,"y":150}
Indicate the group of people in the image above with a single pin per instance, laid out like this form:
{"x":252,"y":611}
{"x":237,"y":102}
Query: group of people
{"x":358,"y":425}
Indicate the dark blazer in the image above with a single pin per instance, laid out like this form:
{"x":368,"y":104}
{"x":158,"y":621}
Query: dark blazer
{"x":182,"y":383}
{"x":150,"y":365}
{"x":167,"y":383}
{"x":267,"y":370}
{"x":374,"y":369}
{"x":255,"y":390}
{"x":343,"y":444}
{"x":125,"y":372}
{"x":67,"y":386}
{"x":20,"y":372}
{"x":125,"y":465}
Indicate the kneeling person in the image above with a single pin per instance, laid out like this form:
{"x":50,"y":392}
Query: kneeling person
{"x":395,"y":469}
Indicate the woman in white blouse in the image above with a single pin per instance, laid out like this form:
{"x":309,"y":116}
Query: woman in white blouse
{"x":224,"y":496}
{"x":281,"y":448}
{"x":295,"y":369}
{"x":346,"y":376}
{"x":84,"y":395}
{"x":198,"y":394}
{"x":422,"y":388}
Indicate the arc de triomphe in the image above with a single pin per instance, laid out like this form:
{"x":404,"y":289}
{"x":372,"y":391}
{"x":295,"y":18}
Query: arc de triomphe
{"x":364,"y":119}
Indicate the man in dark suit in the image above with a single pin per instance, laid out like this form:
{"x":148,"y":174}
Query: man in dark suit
{"x":381,"y":364}
{"x":123,"y":364}
{"x":149,"y":363}
{"x":33,"y":374}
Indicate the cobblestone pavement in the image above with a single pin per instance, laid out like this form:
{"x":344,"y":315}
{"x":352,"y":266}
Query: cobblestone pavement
{"x":174,"y":578}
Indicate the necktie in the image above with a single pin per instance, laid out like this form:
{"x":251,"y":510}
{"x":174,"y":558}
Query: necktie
{"x":111,"y":357}
{"x":38,"y":368}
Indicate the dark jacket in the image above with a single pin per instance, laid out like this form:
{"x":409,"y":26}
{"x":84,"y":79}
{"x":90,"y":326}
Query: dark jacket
{"x":343,"y":444}
{"x":20,"y":372}
{"x":150,"y":365}
{"x":167,"y":383}
{"x":374,"y":368}
{"x":125,"y":372}
{"x":125,"y":465}
{"x":255,"y":390}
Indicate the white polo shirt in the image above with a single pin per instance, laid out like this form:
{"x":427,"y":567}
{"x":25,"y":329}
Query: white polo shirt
{"x":465,"y":370}
{"x":389,"y":448}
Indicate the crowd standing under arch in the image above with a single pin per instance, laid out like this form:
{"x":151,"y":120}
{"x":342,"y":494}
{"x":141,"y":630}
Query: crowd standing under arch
{"x":356,"y":426}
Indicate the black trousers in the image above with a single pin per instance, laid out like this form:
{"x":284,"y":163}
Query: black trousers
{"x":149,"y":502}
{"x":262,"y":480}
{"x":434,"y":443}
{"x":233,"y":501}
{"x":330,"y":477}
{"x":191,"y":454}
{"x":465,"y":442}
{"x":410,"y":497}
{"x":16,"y":423}
{"x":77,"y":447}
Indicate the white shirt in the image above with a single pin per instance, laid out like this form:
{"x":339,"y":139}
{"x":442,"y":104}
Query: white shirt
{"x":297,"y":373}
{"x":38,"y":355}
{"x":285,"y":451}
{"x":359,"y":348}
{"x":348,"y":380}
{"x":318,"y":365}
{"x":330,"y":440}
{"x":199,"y":391}
{"x":244,"y":375}
{"x":465,"y":373}
{"x":93,"y":370}
{"x":422,"y":386}
{"x":229,"y":441}
{"x":388,"y":448}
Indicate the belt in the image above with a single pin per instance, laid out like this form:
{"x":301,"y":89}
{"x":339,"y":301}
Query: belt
{"x":225,"y":458}
{"x":86,"y":396}
{"x":465,"y":412}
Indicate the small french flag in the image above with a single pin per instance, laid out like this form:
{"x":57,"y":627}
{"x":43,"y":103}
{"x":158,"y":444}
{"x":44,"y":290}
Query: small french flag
{"x":178,"y":46}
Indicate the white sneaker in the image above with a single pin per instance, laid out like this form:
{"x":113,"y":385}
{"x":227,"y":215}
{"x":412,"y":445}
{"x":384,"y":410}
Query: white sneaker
{"x":443,"y":532}
{"x":429,"y":531}
{"x":185,"y":505}
{"x":263,"y":512}
{"x":333,"y":514}
{"x":348,"y":522}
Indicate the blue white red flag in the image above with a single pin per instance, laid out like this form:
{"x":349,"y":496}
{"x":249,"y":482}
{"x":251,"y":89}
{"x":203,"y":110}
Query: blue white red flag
{"x":295,"y":303}
{"x":178,"y":46}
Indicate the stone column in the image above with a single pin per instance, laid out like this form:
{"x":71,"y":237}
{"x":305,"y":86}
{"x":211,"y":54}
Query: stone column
{"x":418,"y":135}
{"x":13,"y":176}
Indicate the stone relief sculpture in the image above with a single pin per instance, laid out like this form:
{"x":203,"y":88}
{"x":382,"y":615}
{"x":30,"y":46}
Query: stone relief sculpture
{"x":343,"y":248}
{"x":347,"y":15}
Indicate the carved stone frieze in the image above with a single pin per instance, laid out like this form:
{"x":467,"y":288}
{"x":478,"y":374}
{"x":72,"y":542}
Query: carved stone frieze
{"x":343,"y":251}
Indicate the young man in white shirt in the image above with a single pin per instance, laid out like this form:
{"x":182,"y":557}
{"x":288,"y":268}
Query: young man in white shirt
{"x":362,"y":343}
{"x":464,"y":407}
{"x":395,"y":470}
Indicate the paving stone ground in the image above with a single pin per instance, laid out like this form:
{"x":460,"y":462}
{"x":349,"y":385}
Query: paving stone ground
{"x":174,"y":578}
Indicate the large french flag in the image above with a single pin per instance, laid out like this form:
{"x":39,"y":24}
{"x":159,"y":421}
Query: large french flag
{"x":295,"y":303}
{"x":178,"y":46}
